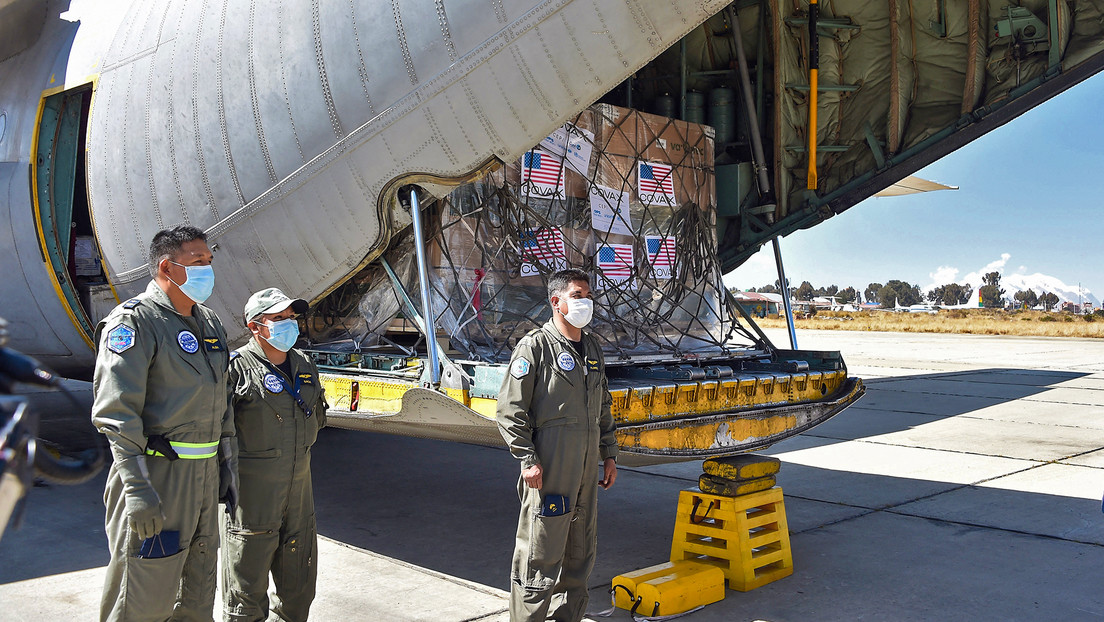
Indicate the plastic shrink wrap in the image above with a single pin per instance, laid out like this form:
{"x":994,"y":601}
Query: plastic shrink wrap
{"x":626,"y":196}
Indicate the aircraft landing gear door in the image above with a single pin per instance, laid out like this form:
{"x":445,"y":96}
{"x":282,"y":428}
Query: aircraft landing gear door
{"x":61,"y":208}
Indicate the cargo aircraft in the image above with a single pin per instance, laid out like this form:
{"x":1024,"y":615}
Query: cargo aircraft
{"x":292,"y":132}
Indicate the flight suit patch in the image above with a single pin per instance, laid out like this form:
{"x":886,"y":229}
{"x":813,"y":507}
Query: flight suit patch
{"x":520,"y":368}
{"x":592,"y":364}
{"x":187,"y":341}
{"x":133,"y":302}
{"x":235,"y":354}
{"x":121,"y":338}
{"x":306,"y":379}
{"x":213,"y":344}
{"x":273,"y":384}
{"x":565,"y":361}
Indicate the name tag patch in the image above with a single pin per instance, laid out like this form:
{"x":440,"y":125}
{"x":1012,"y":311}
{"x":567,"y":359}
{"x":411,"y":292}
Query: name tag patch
{"x":592,"y":364}
{"x":565,"y":361}
{"x":213,"y":344}
{"x":520,"y":368}
{"x":187,"y":341}
{"x":120,"y":339}
{"x":306,"y":379}
{"x":272,"y":383}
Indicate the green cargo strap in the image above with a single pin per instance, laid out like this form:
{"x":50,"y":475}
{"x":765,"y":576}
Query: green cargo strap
{"x":190,"y":451}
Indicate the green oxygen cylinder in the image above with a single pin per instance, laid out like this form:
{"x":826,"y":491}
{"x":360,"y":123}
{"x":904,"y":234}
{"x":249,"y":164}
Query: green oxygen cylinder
{"x":722,"y":114}
{"x":695,"y":107}
{"x":664,"y":106}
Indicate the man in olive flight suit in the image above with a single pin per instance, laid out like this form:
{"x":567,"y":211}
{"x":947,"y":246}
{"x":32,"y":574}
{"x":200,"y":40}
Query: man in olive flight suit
{"x":160,"y":397}
{"x":554,"y":413}
{"x":279,"y":406}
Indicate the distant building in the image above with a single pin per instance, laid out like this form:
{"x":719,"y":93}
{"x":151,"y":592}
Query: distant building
{"x":757,"y":304}
{"x":1071,"y":307}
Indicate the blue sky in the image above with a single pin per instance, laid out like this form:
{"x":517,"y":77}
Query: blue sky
{"x":1030,"y":190}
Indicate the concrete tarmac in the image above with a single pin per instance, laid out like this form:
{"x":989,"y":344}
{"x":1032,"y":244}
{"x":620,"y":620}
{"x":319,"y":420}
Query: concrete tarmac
{"x":965,"y":485}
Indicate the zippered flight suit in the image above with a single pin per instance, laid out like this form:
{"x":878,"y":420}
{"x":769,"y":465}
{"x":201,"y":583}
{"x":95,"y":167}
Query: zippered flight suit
{"x":161,"y":373}
{"x":274,"y":527}
{"x":554,"y":410}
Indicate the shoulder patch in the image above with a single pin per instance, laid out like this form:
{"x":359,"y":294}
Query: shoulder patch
{"x":121,"y":338}
{"x":133,"y":302}
{"x":520,"y":368}
{"x":235,"y":354}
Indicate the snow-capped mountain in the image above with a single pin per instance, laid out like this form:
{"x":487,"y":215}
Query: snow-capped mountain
{"x":1039,"y":283}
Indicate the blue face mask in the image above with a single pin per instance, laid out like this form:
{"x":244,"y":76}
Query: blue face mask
{"x":283,"y":334}
{"x":200,"y":282}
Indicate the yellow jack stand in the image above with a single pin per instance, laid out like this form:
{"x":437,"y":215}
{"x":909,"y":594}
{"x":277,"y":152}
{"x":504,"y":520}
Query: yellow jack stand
{"x":746,"y":536}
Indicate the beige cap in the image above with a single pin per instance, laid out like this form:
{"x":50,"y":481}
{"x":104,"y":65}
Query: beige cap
{"x":272,"y":300}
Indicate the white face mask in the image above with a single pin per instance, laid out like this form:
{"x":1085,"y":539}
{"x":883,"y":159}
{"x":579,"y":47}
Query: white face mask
{"x":579,"y":311}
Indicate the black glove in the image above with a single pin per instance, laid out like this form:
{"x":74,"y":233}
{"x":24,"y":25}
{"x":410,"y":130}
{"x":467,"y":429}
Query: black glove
{"x":228,"y":488}
{"x":228,"y":476}
{"x":161,"y":445}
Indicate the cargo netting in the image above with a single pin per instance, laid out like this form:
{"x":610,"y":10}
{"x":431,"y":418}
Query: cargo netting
{"x":626,"y":196}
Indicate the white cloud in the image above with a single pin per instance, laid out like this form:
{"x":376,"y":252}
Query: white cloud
{"x":1013,"y":283}
{"x":997,"y":265}
{"x":942,"y":276}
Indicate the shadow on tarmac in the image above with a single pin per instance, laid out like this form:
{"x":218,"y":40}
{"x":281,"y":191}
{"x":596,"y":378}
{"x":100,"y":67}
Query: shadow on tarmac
{"x":452,"y":509}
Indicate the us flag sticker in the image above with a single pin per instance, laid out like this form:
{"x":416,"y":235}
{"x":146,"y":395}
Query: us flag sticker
{"x":615,"y":264}
{"x":655,"y":183}
{"x":542,"y":247}
{"x":542,"y":175}
{"x":661,"y":255}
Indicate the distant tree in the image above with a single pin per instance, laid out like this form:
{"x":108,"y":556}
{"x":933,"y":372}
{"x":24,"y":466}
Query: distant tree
{"x":804,"y":291}
{"x":887,"y":297}
{"x":870,"y":294}
{"x":1048,"y":300}
{"x":766,"y":289}
{"x":778,"y":285}
{"x":846,"y":295}
{"x":992,"y":296}
{"x":950,"y":294}
{"x":1027,"y":298}
{"x":956,"y":294}
{"x":900,"y":292}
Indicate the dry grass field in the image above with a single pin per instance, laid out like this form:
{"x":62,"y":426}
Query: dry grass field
{"x":973,"y":321}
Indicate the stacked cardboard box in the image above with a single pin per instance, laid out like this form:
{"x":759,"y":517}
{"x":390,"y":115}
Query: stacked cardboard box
{"x":613,"y":179}
{"x":624,"y":195}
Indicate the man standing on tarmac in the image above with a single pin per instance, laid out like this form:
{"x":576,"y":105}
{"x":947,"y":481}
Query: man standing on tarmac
{"x":160,"y":397}
{"x":554,"y":413}
{"x":279,"y":406}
